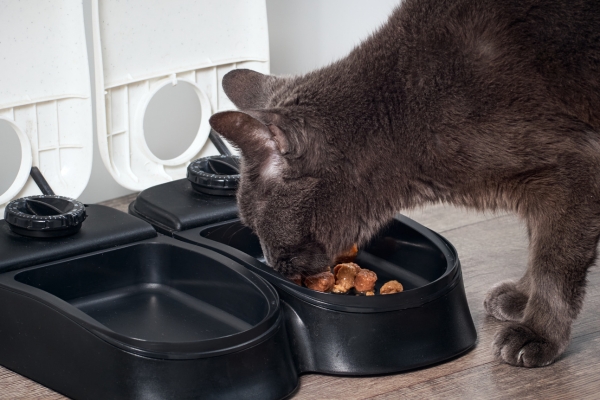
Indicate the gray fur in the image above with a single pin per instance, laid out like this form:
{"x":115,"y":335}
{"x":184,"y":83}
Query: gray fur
{"x":489,"y":104}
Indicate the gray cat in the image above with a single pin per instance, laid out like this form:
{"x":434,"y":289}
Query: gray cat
{"x":489,"y":104}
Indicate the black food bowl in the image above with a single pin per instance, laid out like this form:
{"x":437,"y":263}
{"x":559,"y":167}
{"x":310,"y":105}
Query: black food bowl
{"x":362,"y":335}
{"x":340,"y":334}
{"x":142,"y":316}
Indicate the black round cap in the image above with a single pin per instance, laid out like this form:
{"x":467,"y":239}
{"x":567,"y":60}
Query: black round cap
{"x":216,"y":175}
{"x":45,"y":216}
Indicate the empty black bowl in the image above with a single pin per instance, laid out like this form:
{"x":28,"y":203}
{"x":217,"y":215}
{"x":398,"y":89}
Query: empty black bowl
{"x":116,"y":311}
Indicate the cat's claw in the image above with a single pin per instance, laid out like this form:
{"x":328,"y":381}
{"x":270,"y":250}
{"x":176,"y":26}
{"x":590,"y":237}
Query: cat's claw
{"x":518,"y":345}
{"x":520,"y":356}
{"x":505,"y":302}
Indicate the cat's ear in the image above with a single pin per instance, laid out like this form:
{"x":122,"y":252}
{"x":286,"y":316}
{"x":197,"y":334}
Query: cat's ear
{"x":247,"y":89}
{"x":251,"y":136}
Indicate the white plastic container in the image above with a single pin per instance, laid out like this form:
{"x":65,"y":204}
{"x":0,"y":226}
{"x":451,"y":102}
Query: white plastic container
{"x":141,"y":47}
{"x":45,"y":93}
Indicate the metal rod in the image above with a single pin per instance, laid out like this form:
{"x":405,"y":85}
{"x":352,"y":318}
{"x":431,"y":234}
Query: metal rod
{"x":219,"y":143}
{"x":40,"y":181}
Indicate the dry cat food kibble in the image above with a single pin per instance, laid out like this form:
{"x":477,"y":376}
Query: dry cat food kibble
{"x":322,"y":282}
{"x":346,"y":276}
{"x":365,"y":282}
{"x":391,"y":287}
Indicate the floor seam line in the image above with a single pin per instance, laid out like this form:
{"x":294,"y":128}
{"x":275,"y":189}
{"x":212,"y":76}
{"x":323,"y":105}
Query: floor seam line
{"x":584,"y":335}
{"x":429,"y":380}
{"x":475,"y":223}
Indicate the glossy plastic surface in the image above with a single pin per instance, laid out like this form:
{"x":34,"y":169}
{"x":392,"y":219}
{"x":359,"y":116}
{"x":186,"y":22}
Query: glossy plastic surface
{"x":215,"y":175}
{"x":104,"y":227}
{"x":424,"y":264}
{"x":45,"y":216}
{"x":150,"y":317}
{"x":343,"y":343}
{"x":176,"y":206}
{"x":71,"y":360}
{"x":159,"y":298}
{"x":427,"y":323}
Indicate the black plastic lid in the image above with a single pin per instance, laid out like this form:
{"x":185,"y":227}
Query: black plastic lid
{"x":45,"y":216}
{"x":104,"y":228}
{"x":216,"y":175}
{"x":176,"y":206}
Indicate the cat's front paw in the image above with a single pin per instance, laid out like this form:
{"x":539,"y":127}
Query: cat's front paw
{"x":518,"y":345}
{"x":505,"y":302}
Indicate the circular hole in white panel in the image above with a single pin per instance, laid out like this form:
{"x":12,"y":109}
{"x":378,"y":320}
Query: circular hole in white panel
{"x":172,"y":120}
{"x":10,"y":155}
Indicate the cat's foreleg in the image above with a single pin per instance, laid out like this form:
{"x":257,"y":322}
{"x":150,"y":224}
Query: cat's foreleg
{"x":561,"y":251}
{"x":506,"y":301}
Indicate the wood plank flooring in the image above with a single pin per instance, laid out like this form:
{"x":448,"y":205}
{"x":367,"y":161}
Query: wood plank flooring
{"x":491,"y":248}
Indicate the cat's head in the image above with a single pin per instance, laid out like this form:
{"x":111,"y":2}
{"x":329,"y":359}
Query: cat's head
{"x":287,"y":192}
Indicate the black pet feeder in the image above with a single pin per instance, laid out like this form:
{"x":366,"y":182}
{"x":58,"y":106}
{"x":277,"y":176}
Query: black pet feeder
{"x":109,"y":309}
{"x":338,"y":334}
{"x":206,"y":196}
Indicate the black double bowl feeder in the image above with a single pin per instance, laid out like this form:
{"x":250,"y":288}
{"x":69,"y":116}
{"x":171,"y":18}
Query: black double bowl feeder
{"x":330,"y":333}
{"x":116,"y":311}
{"x":113,"y":309}
{"x":95,"y":304}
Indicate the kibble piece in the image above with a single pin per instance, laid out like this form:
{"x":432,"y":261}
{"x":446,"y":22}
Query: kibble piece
{"x":353,"y":266}
{"x":321,"y":282}
{"x":344,"y":277}
{"x":365,"y":280}
{"x":391,"y":287}
{"x":371,"y":293}
{"x":347,"y":256}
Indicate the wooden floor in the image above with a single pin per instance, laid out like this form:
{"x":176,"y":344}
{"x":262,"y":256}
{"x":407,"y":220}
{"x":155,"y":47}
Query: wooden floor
{"x":491,"y":248}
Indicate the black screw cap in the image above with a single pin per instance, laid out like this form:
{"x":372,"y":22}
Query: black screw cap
{"x":45,"y":216}
{"x":216,"y":175}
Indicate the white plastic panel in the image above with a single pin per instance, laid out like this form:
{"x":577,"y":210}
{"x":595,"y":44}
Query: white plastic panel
{"x":45,"y":93}
{"x":140,"y":47}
